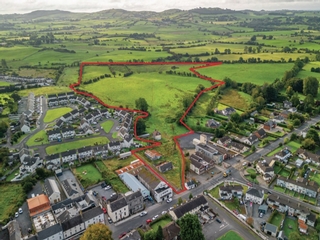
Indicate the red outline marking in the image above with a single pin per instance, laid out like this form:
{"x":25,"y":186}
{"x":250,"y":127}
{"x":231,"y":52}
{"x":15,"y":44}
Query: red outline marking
{"x":145,"y":114}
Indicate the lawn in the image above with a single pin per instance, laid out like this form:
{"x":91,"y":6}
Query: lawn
{"x":12,"y":197}
{"x":284,"y":173}
{"x":290,"y":225}
{"x":53,"y":114}
{"x":230,"y":235}
{"x":277,"y":169}
{"x":293,"y":146}
{"x":215,"y":191}
{"x":62,"y":147}
{"x":38,"y":139}
{"x":3,"y":83}
{"x":315,"y":176}
{"x":161,"y":223}
{"x":277,"y":219}
{"x":12,"y":175}
{"x":250,"y":170}
{"x":279,"y":189}
{"x":272,"y":153}
{"x":107,"y":125}
{"x":87,"y":175}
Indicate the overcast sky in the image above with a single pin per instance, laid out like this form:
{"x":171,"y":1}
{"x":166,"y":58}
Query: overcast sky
{"x":23,"y":6}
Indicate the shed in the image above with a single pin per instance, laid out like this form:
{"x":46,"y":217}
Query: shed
{"x":263,"y":209}
{"x":271,"y":229}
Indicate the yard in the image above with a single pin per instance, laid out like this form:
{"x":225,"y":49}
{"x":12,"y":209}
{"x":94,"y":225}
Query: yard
{"x":277,"y":218}
{"x":277,"y":169}
{"x":293,"y":146}
{"x":230,"y":235}
{"x":87,"y":175}
{"x":12,"y":197}
{"x":38,"y":139}
{"x":215,"y":191}
{"x":284,"y":173}
{"x":315,"y":176}
{"x":62,"y":147}
{"x":107,"y":125}
{"x":270,"y":154}
{"x":55,"y":113}
{"x":164,"y":221}
{"x":290,"y":225}
{"x":279,"y":189}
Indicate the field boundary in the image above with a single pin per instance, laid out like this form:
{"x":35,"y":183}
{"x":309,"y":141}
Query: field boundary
{"x":143,"y":114}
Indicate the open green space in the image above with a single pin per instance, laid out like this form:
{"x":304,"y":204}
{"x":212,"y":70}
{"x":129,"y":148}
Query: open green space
{"x":62,"y":147}
{"x":163,"y":222}
{"x":3,"y":84}
{"x":12,"y":175}
{"x":87,"y":175}
{"x":107,"y":125}
{"x":44,"y":90}
{"x":277,"y":218}
{"x":293,"y":146}
{"x":55,"y":113}
{"x":39,"y":138}
{"x":12,"y":197}
{"x":230,"y":235}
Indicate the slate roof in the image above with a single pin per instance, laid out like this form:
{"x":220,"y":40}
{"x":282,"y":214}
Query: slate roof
{"x":93,"y":212}
{"x":118,"y":204}
{"x":252,"y":138}
{"x":70,"y":186}
{"x":52,"y":132}
{"x":165,"y":166}
{"x":170,"y":231}
{"x":75,"y":221}
{"x":255,"y":192}
{"x":312,"y":217}
{"x":74,"y":111}
{"x":29,"y":161}
{"x":51,"y":186}
{"x":68,"y":153}
{"x":189,"y":206}
{"x":302,"y":182}
{"x":84,"y":149}
{"x":50,"y":231}
{"x":114,"y":143}
{"x":133,"y":196}
{"x":270,"y":227}
{"x":224,"y":139}
{"x":128,"y":139}
{"x":59,"y":123}
{"x":229,"y":188}
{"x":261,"y":132}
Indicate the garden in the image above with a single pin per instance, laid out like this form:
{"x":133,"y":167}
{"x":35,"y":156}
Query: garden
{"x":87,"y":175}
{"x":230,"y":235}
{"x":276,"y":218}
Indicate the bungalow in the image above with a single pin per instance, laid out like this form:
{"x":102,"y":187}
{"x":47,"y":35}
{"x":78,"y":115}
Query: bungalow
{"x":254,"y":195}
{"x":225,"y":141}
{"x":269,"y":125}
{"x":156,"y":135}
{"x":211,"y":123}
{"x":68,"y":132}
{"x":252,"y":139}
{"x":66,"y":117}
{"x":152,"y":154}
{"x":283,"y":155}
{"x":261,"y":133}
{"x":287,"y":104}
{"x":54,"y":135}
{"x":308,"y":156}
{"x":53,"y":161}
{"x":69,"y":156}
{"x":271,"y":229}
{"x":190,"y":184}
{"x":238,"y":147}
{"x":164,"y":167}
{"x":300,"y":185}
{"x":228,"y":111}
{"x":229,"y":191}
{"x":114,"y":146}
{"x":85,"y":152}
{"x":200,"y":163}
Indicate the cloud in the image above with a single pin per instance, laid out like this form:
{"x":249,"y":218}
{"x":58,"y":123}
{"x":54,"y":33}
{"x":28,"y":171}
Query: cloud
{"x":22,"y":6}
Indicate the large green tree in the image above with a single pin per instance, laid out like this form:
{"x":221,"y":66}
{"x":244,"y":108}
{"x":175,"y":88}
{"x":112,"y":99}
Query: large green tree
{"x":141,"y":127}
{"x":190,"y":228}
{"x":97,"y":231}
{"x":142,"y":104}
{"x":313,"y":134}
{"x":310,"y":86}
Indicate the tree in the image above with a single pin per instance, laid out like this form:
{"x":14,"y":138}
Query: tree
{"x":142,"y":104}
{"x":253,"y":175}
{"x":190,"y":196}
{"x":190,"y":228}
{"x":308,"y":144}
{"x":180,"y":201}
{"x":289,"y":91}
{"x":41,"y":173}
{"x":159,"y":233}
{"x":310,"y":86}
{"x":3,"y":128}
{"x":4,"y":64}
{"x":235,"y":117}
{"x":294,"y":236}
{"x":253,"y":38}
{"x":27,"y":187}
{"x":141,"y":126}
{"x":250,"y":221}
{"x":97,"y":231}
{"x":253,"y":148}
{"x":313,"y":134}
{"x":318,"y":225}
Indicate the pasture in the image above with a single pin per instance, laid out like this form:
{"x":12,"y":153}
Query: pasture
{"x":55,"y":113}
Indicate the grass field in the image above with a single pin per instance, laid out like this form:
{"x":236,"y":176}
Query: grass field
{"x":44,"y":91}
{"x":254,"y":73}
{"x":55,"y":113}
{"x":12,"y":198}
{"x":87,"y":175}
{"x":107,"y":125}
{"x":233,"y":98}
{"x":38,"y":139}
{"x":62,"y":147}
{"x":230,"y":235}
{"x":279,"y":189}
{"x":68,"y":76}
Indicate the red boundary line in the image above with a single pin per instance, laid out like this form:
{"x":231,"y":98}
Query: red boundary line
{"x":145,"y":114}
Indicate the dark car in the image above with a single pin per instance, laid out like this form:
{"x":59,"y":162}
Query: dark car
{"x":263,"y":223}
{"x":103,"y":185}
{"x":110,"y":220}
{"x":218,"y":220}
{"x":122,"y":235}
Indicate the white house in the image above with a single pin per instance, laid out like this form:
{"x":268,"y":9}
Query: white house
{"x":52,"y":190}
{"x":84,"y":124}
{"x":68,"y":132}
{"x":127,"y":142}
{"x":85,"y":152}
{"x":254,"y":195}
{"x":118,"y":209}
{"x":53,"y":161}
{"x":69,"y":156}
{"x":283,"y":155}
{"x":114,"y":146}
{"x":72,"y":227}
{"x":53,"y":232}
{"x":66,"y":117}
{"x":24,"y":124}
{"x":30,"y":164}
{"x":75,"y":113}
{"x":93,"y":216}
{"x":252,"y":139}
{"x":54,"y":135}
{"x":100,"y":150}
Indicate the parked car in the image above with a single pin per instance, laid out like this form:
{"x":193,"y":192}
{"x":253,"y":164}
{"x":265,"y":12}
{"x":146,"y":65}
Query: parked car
{"x":261,"y":214}
{"x":143,"y":213}
{"x":164,"y":212}
{"x":113,"y":194}
{"x":169,"y":200}
{"x":218,"y":220}
{"x":20,"y":210}
{"x":104,"y":210}
{"x":107,"y":187}
{"x":263,"y":223}
{"x":104,"y":198}
{"x":16,"y":214}
{"x":110,"y":220}
{"x":122,"y":235}
{"x":155,"y":217}
{"x":103,"y":185}
{"x":148,"y":221}
{"x":94,"y":193}
{"x":170,"y":208}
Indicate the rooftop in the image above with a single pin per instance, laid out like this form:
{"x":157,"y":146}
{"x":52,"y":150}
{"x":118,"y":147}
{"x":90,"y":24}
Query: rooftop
{"x":189,"y":206}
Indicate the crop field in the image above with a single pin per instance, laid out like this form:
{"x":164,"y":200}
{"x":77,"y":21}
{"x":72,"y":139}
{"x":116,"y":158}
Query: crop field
{"x":55,"y":113}
{"x":254,"y":73}
{"x":62,"y":147}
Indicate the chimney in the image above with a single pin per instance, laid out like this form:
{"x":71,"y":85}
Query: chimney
{"x":278,"y":197}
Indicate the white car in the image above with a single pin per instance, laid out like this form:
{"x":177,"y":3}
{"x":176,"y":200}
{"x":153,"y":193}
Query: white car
{"x":170,"y":208}
{"x":107,"y":188}
{"x":155,"y":217}
{"x":143,"y":213}
{"x":164,"y":212}
{"x":20,"y":210}
{"x":244,"y":164}
{"x":16,"y":214}
{"x":169,"y":200}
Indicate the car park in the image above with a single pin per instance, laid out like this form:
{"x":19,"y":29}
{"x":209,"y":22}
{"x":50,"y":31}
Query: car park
{"x":143,"y":213}
{"x":169,"y":200}
{"x":155,"y":217}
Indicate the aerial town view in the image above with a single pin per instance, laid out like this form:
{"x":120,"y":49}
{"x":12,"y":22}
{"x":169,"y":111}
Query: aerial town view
{"x":134,"y":121}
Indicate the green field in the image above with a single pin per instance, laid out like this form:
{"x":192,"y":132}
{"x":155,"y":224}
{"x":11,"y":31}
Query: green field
{"x":230,"y":235}
{"x":62,"y":147}
{"x":107,"y":125}
{"x":53,"y":114}
{"x":87,"y":175}
{"x":39,"y":138}
{"x":12,"y":198}
{"x":2,"y":84}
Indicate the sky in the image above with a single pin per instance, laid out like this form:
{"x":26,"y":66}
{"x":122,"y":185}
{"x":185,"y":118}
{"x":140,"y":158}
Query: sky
{"x":25,"y":6}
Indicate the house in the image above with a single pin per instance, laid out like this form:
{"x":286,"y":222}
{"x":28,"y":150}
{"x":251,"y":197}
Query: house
{"x":285,"y":114}
{"x":265,"y":170}
{"x":152,"y":154}
{"x":190,"y":184}
{"x":254,"y":195}
{"x":70,"y":94}
{"x":127,"y":142}
{"x":228,"y":111}
{"x":75,"y":113}
{"x":53,"y":161}
{"x":68,"y":132}
{"x":225,"y":141}
{"x":85,"y":152}
{"x":269,"y":125}
{"x":114,"y":146}
{"x":38,"y":204}
{"x":288,"y":206}
{"x":53,"y":232}
{"x":69,"y":156}
{"x":134,"y":184}
{"x":61,"y":95}
{"x":287,"y":104}
{"x":72,"y":99}
{"x":30,"y":164}
{"x":100,"y":150}
{"x":271,"y":229}
{"x":299,"y":163}
{"x":300,"y":185}
{"x":211,"y":123}
{"x":24,"y":153}
{"x":66,"y":117}
{"x":52,"y":190}
{"x":84,"y":124}
{"x":54,"y":135}
{"x":200,"y":163}
{"x":283,"y":155}
{"x":71,"y":188}
{"x":192,"y":206}
{"x":24,"y":124}
{"x":159,"y":189}
{"x":171,"y":231}
{"x":303,"y":228}
{"x":92,"y":216}
{"x":59,"y":124}
{"x":156,"y":135}
{"x":63,"y":100}
{"x":261,"y":133}
{"x":292,"y":110}
{"x":88,"y":130}
{"x":135,"y":202}
{"x":252,"y":139}
{"x":311,"y":219}
{"x":53,"y":102}
{"x":238,"y":147}
{"x":229,"y":191}
{"x":308,"y":156}
{"x":164,"y":167}
{"x":118,"y":209}
{"x":72,"y":227}
{"x":279,"y":119}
